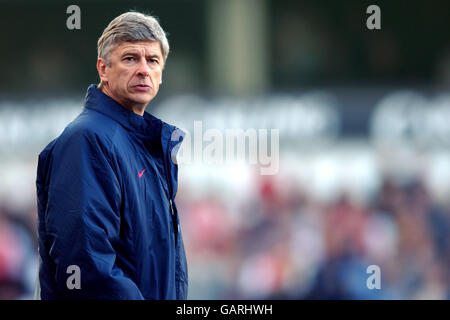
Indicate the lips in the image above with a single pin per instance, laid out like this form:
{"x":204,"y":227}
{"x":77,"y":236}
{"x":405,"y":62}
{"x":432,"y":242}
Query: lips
{"x":141,"y":87}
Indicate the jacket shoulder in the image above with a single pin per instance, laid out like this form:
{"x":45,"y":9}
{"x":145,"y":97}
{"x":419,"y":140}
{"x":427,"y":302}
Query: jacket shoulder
{"x":90,"y":130}
{"x":93,"y":123}
{"x":90,"y":134}
{"x":89,"y":127}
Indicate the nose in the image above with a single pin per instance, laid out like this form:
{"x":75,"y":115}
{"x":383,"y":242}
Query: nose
{"x":143,"y":68}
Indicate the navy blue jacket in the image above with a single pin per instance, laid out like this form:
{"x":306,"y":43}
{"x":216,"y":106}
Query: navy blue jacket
{"x":105,"y":196}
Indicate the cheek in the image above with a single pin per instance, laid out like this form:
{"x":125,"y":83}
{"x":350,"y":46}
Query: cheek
{"x":157,"y":78}
{"x":122,"y":76}
{"x":117,"y":77}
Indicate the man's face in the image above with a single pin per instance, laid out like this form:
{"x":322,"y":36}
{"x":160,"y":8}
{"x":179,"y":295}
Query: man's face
{"x":134,"y":74}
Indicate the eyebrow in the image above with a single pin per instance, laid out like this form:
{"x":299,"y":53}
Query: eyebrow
{"x":130,"y":53}
{"x":135,"y":53}
{"x":153,"y":56}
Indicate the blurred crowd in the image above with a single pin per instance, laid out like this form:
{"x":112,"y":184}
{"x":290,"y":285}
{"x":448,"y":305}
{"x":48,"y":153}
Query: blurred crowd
{"x":18,"y":252}
{"x":276,"y":242}
{"x":282,"y":244}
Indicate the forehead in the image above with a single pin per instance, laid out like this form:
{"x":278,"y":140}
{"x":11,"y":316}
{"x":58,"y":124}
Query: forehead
{"x":148,"y":47}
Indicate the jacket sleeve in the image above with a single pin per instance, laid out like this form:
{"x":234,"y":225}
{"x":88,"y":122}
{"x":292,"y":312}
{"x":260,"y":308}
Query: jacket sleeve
{"x":83,"y":222}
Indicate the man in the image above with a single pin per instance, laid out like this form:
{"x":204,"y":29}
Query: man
{"x":107,"y":222}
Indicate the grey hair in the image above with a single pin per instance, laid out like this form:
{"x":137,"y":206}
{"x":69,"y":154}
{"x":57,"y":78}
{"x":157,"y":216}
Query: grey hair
{"x":131,"y":26}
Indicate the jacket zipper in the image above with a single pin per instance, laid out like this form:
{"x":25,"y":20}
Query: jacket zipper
{"x":169,"y":186}
{"x":174,"y":218}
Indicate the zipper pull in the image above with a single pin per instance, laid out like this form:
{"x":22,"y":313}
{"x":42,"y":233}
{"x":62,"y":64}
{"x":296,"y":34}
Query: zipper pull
{"x":174,"y":222}
{"x":171,"y":207}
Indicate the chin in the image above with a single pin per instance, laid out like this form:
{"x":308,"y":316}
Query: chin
{"x":142,"y":99}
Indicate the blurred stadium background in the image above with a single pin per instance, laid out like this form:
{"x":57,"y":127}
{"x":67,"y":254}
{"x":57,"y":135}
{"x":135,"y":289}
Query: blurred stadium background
{"x":363,"y":119}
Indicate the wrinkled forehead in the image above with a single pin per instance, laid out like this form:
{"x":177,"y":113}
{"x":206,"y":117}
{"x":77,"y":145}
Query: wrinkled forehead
{"x":147,"y":47}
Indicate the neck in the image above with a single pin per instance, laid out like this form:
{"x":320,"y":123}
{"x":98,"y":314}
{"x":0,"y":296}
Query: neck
{"x":138,"y":109}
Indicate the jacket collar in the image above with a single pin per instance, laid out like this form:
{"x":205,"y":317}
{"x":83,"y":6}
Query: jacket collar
{"x":146,"y":126}
{"x":149,"y":128}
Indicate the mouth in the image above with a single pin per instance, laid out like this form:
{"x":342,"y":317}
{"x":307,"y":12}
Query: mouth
{"x":141,"y":87}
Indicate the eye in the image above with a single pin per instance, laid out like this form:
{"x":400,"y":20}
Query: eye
{"x":153,"y":61}
{"x":128,"y":59}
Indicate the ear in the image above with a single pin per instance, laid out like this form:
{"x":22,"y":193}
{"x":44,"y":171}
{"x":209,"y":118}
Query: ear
{"x":101,"y":68}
